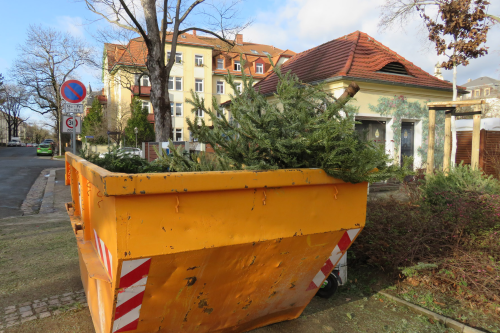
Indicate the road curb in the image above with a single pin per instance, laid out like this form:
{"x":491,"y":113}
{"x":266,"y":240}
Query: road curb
{"x":32,"y":202}
{"x":47,"y":206}
{"x":448,"y":322}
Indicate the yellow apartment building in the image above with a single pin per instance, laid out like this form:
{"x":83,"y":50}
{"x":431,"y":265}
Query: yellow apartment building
{"x":200,"y":65}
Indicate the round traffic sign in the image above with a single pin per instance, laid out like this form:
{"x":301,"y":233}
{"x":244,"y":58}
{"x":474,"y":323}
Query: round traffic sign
{"x":69,"y":122}
{"x":73,"y":91}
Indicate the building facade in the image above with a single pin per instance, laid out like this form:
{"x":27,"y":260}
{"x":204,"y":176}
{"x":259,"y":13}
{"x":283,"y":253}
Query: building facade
{"x":391,"y":103}
{"x":200,"y":66}
{"x":484,"y":88}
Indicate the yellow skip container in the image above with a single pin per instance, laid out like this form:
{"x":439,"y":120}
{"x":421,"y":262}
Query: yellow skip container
{"x":224,"y":251}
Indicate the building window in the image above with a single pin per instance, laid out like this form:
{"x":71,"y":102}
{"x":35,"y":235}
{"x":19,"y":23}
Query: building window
{"x":477,"y":93}
{"x":172,"y":108}
{"x":238,"y":86}
{"x":178,"y":57}
{"x":237,"y":65}
{"x":145,"y":105}
{"x":220,"y":87}
{"x":198,"y":60}
{"x":220,"y":63}
{"x":178,"y":134}
{"x":145,"y":81}
{"x":266,"y":53}
{"x":198,"y":85}
{"x":178,"y":83}
{"x":259,"y":68}
{"x":191,"y":137}
{"x":254,"y":52}
{"x":486,"y":91}
{"x":199,"y":113}
{"x":178,"y":109}
{"x":170,"y":83}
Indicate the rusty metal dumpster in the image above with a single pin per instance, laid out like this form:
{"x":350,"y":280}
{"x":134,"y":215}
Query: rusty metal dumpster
{"x":207,"y":251}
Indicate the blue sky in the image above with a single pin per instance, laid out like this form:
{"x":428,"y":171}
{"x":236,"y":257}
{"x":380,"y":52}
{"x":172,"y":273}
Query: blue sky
{"x":287,"y":24}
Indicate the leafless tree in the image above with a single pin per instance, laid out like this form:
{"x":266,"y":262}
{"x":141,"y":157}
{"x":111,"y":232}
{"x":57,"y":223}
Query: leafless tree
{"x":153,"y":20}
{"x":36,"y":133}
{"x":13,"y":100}
{"x":45,"y":60}
{"x":116,"y":115}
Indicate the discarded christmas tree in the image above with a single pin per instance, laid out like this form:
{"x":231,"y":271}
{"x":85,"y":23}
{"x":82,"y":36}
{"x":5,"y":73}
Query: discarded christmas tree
{"x":303,"y":126}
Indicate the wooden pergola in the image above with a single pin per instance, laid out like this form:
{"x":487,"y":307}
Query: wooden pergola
{"x":450,"y":110}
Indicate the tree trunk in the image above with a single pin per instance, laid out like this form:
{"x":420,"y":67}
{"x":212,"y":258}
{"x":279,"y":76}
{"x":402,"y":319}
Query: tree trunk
{"x":158,"y":73}
{"x":160,"y":101}
{"x":453,"y":119}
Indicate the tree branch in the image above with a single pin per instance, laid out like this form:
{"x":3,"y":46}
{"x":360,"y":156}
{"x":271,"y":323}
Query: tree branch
{"x":186,"y":13}
{"x":493,"y":17}
{"x":208,"y":32}
{"x":124,"y":26}
{"x":132,"y":17}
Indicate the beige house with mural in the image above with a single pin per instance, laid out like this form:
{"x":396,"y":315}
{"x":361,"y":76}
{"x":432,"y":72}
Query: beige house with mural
{"x":394,"y":92}
{"x":201,"y":63}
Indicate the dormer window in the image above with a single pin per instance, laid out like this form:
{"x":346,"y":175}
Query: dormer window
{"x":237,"y":65}
{"x":254,"y":52}
{"x":259,"y":68}
{"x":266,"y":53}
{"x":395,"y":68}
{"x":220,"y":63}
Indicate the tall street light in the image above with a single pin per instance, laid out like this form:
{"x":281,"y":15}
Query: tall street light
{"x":136,"y":131}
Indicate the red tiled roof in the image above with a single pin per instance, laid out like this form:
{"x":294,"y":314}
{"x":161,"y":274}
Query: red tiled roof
{"x":245,"y":47}
{"x":135,"y":52}
{"x":356,"y":55}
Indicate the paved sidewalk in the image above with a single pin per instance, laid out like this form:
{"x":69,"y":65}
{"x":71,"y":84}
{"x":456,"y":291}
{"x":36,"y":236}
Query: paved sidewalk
{"x":39,"y":309}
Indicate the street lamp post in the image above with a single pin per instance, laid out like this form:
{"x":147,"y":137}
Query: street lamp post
{"x":136,"y":131}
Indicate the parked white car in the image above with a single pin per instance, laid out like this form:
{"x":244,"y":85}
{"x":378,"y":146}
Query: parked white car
{"x":125,"y":151}
{"x":14,"y":144}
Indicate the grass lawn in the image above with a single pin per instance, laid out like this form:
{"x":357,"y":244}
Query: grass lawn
{"x":446,"y":304}
{"x":37,"y":260}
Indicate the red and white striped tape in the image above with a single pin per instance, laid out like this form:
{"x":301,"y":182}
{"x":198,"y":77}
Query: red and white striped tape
{"x":330,"y":263}
{"x":133,"y":278}
{"x":106,"y":257}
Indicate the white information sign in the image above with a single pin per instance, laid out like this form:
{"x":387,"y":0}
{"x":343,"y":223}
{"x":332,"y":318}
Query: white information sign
{"x":68,"y":124}
{"x":72,"y":108}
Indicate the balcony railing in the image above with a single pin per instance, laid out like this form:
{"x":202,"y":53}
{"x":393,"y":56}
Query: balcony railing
{"x":145,"y":91}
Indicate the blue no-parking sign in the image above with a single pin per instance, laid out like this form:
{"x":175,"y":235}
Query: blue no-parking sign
{"x":73,"y":91}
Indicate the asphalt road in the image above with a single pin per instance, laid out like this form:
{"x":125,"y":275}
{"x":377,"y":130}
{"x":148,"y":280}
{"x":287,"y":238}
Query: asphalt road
{"x":19,"y":168}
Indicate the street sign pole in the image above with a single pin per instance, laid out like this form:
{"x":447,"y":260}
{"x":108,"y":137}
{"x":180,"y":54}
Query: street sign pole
{"x":74,"y":135}
{"x":74,"y":92}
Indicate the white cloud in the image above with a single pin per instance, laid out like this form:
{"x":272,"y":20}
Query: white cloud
{"x":301,"y":24}
{"x":71,"y":24}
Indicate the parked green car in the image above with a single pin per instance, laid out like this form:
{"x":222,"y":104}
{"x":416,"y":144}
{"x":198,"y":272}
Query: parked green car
{"x":44,"y":149}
